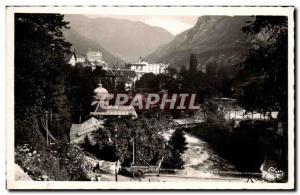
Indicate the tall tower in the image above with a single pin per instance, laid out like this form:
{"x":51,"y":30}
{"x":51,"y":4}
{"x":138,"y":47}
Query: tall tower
{"x":193,"y":62}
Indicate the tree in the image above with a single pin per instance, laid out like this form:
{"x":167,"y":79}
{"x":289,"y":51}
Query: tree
{"x":148,"y":81}
{"x":39,"y":69}
{"x":59,"y":104}
{"x":81,"y":85}
{"x":177,"y":145}
{"x":182,"y":70}
{"x":144,"y":134}
{"x":220,"y":78}
{"x":196,"y":82}
{"x":100,"y":145}
{"x":172,"y":71}
{"x":178,"y":141}
{"x":213,"y":116}
{"x":265,"y":88}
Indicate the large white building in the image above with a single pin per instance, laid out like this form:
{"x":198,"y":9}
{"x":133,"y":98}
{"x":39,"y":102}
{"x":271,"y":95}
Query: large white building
{"x":141,"y":68}
{"x":95,"y":59}
{"x":93,"y":56}
{"x":92,"y":59}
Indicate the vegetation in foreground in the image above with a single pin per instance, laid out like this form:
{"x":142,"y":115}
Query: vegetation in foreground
{"x":120,"y":137}
{"x":59,"y":162}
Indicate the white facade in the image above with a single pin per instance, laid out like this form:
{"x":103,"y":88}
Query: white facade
{"x":93,"y":56}
{"x":142,"y":68}
{"x":81,"y":59}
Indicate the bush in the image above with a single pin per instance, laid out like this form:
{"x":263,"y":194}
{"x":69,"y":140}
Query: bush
{"x":59,"y":162}
{"x":144,"y":133}
{"x":176,"y":147}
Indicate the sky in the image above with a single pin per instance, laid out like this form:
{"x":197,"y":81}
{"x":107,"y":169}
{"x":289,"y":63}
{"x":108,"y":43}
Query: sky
{"x":173,"y":24}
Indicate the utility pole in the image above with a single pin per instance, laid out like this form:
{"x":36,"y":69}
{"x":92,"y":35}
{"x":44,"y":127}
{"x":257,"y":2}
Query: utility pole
{"x":57,"y":120}
{"x":50,"y":115}
{"x":116,"y":171}
{"x":47,"y":128}
{"x":133,"y":152}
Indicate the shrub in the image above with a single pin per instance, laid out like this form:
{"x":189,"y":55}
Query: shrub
{"x":59,"y":162}
{"x":176,"y":147}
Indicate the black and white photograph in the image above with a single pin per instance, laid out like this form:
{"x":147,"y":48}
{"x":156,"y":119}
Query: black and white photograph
{"x":150,"y":97}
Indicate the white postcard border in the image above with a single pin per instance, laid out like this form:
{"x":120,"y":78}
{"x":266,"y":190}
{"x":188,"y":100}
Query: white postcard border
{"x":150,"y":10}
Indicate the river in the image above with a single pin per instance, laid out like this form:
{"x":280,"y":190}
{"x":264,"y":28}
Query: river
{"x":200,"y":159}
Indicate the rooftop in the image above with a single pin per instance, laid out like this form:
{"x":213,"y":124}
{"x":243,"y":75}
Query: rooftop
{"x":90,"y":125}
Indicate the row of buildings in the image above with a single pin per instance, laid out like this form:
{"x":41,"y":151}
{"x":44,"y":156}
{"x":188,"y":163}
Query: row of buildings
{"x":91,"y":58}
{"x":130,"y":72}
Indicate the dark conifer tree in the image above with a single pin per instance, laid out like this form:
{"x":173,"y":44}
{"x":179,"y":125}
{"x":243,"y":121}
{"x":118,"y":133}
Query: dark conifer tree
{"x":39,"y":69}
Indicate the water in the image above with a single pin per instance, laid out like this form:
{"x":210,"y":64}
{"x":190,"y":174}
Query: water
{"x":201,"y":160}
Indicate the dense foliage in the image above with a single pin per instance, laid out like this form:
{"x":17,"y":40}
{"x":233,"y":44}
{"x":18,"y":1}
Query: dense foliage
{"x":213,"y":81}
{"x":59,"y":162}
{"x":144,"y":134}
{"x":263,"y":88}
{"x":40,"y":71}
{"x":49,"y":94}
{"x":176,"y":147}
{"x":82,"y":82}
{"x":45,"y":83}
{"x":150,"y":82}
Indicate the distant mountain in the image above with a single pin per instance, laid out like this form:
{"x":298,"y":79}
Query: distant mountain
{"x":215,"y":39}
{"x":123,"y":38}
{"x":82,"y":45}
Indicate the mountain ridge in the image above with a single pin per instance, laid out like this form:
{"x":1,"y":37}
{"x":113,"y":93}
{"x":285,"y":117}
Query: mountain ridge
{"x":82,"y":45}
{"x":215,"y":39}
{"x":125,"y":39}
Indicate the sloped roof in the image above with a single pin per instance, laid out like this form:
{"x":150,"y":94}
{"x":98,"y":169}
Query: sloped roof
{"x":90,"y":125}
{"x":78,"y":55}
{"x":68,"y":56}
{"x":115,"y":111}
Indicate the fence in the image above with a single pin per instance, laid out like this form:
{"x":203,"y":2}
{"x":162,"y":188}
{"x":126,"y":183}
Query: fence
{"x":213,"y":174}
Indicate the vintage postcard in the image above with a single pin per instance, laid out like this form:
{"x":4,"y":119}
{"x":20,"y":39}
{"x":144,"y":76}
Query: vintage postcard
{"x":150,"y":97}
